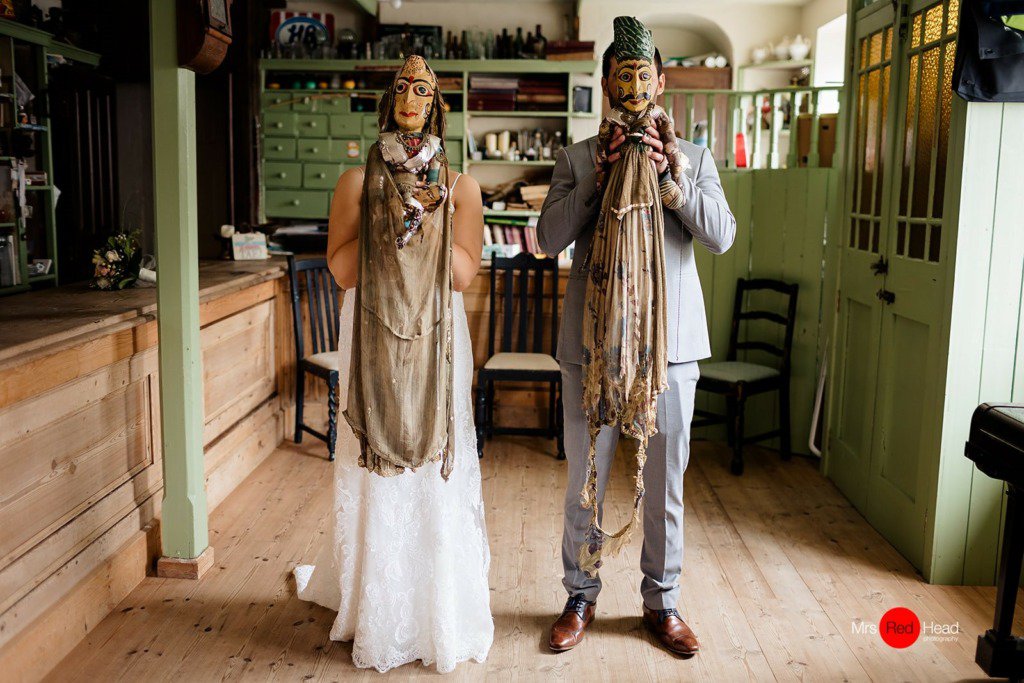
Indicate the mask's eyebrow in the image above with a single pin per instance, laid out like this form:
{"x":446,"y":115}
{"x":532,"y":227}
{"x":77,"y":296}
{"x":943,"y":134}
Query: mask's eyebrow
{"x":423,"y":80}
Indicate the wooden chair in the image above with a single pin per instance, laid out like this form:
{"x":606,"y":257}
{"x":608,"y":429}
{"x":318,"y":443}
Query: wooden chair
{"x":323,"y":309}
{"x":737,"y":380}
{"x":523,"y":357}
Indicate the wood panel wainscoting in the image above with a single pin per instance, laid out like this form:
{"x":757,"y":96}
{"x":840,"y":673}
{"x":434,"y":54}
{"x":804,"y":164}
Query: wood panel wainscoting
{"x":80,"y":453}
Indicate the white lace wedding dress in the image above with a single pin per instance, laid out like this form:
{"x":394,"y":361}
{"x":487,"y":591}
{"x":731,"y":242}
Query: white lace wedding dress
{"x":406,"y":558}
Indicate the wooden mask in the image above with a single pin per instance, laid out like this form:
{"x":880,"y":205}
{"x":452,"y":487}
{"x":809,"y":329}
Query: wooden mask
{"x":634,"y":78}
{"x":414,"y":90}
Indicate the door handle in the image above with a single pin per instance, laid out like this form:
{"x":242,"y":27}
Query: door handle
{"x":886,"y":296}
{"x":881,"y":266}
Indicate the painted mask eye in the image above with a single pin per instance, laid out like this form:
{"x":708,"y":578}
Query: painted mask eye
{"x":401,"y":87}
{"x":421,"y":90}
{"x":625,"y":76}
{"x":645,"y":75}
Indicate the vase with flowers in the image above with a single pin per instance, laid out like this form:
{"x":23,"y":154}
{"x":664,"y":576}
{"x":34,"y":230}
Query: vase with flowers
{"x":117,"y":262}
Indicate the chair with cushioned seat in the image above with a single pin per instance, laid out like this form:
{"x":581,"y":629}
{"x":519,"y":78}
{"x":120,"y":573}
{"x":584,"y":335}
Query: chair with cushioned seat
{"x":323,"y":309}
{"x":523,"y":357}
{"x":738,"y":380}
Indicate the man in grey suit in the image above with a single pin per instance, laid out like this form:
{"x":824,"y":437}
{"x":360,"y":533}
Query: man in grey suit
{"x":569,"y":215}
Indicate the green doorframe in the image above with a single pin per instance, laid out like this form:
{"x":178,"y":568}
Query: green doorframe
{"x":184,"y":530}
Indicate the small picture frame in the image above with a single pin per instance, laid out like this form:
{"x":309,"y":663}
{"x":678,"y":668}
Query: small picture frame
{"x":249,"y":246}
{"x":40,"y":266}
{"x":582,"y":96}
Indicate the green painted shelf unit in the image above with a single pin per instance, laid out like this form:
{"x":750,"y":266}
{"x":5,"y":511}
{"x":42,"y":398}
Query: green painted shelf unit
{"x":309,"y":137}
{"x":26,"y":51}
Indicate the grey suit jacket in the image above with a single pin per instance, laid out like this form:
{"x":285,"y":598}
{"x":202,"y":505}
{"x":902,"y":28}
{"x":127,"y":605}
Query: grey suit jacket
{"x":570,"y":214}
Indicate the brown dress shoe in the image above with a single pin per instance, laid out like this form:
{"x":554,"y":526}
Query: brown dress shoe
{"x":671,"y":630}
{"x":568,"y":629}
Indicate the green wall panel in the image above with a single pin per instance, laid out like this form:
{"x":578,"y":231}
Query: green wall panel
{"x":781,"y":219}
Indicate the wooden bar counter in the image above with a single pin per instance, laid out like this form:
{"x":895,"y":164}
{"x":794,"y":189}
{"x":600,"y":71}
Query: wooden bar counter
{"x":80,"y":461}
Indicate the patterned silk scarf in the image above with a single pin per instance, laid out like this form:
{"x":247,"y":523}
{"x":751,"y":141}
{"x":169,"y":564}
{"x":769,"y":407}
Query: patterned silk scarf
{"x":399,"y":402}
{"x":624,"y":354}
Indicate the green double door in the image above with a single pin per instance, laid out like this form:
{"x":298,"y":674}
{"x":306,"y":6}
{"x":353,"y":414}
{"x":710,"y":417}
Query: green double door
{"x":895,"y":258}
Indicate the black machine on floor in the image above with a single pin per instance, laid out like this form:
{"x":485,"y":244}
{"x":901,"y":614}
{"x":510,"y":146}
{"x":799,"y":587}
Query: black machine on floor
{"x":996,"y":445}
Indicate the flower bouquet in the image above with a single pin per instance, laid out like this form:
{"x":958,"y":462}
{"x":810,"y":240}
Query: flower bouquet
{"x":117,"y":262}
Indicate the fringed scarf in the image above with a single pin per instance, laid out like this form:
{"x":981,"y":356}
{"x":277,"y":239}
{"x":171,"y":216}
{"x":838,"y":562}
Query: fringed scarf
{"x":624,"y":354}
{"x":399,"y":402}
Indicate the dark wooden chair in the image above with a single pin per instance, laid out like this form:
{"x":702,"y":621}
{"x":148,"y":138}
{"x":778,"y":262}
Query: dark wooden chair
{"x":523,"y":357}
{"x":323,"y":309}
{"x":737,"y":380}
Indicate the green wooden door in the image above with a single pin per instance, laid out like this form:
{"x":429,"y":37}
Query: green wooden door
{"x":885,"y":437}
{"x":860,"y":315}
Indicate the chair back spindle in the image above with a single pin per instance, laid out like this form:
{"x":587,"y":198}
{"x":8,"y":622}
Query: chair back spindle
{"x":322,"y":304}
{"x":522,"y":279}
{"x":742,"y":313}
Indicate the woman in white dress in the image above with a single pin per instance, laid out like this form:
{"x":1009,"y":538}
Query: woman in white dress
{"x":406,"y":559}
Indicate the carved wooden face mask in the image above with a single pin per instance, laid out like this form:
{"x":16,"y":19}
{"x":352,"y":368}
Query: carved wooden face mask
{"x":634,"y":83}
{"x":414,"y":95}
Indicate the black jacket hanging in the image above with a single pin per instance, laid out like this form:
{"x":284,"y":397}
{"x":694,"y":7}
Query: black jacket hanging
{"x":989,"y":63}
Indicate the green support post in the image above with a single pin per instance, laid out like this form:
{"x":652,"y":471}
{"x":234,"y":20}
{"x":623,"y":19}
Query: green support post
{"x":184,"y":533}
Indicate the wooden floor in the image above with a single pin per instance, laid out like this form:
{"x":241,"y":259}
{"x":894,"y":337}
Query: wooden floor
{"x":778,"y":570}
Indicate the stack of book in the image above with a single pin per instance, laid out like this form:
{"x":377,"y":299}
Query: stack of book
{"x":534,"y":195}
{"x":567,"y":50}
{"x":447,"y":83}
{"x":539,"y":94}
{"x":10,"y":273}
{"x":492,"y":93}
{"x":521,"y":232}
{"x":510,"y":236}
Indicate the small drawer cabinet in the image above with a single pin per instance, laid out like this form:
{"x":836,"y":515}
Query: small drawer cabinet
{"x":308,"y":139}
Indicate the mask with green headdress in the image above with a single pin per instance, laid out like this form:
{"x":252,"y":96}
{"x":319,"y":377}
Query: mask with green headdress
{"x":624,"y":336}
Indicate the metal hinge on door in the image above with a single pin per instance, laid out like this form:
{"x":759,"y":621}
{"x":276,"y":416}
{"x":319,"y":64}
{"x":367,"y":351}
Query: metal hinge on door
{"x":886,"y":296}
{"x":881,"y":266}
{"x":902,"y":11}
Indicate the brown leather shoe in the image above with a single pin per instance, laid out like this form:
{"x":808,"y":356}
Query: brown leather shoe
{"x":568,"y":629}
{"x":671,"y":630}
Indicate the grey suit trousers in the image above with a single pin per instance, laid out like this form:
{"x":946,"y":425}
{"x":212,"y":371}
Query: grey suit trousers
{"x":668,"y":454}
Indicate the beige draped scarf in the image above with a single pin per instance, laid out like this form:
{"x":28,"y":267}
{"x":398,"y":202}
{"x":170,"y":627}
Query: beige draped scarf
{"x":624,"y":347}
{"x":399,"y":402}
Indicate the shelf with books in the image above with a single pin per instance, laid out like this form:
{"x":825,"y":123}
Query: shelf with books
{"x":506,"y":162}
{"x":510,"y":213}
{"x":521,"y":114}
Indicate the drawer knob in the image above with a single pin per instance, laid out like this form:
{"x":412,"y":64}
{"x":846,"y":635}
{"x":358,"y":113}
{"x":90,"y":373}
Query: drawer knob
{"x":278,"y":148}
{"x":321,"y":175}
{"x":314,"y":150}
{"x":312,"y":124}
{"x":278,"y":124}
{"x":282,"y":174}
{"x":294,"y":202}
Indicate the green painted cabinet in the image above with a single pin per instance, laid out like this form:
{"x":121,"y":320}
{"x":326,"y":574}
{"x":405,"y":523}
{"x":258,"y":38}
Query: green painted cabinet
{"x":309,"y":137}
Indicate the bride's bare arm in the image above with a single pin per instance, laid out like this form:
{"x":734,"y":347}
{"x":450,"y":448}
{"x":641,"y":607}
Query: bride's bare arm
{"x":468,"y":229}
{"x":343,"y":229}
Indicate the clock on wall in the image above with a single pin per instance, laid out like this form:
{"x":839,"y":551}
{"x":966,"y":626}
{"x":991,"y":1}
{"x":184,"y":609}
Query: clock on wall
{"x":204,"y":33}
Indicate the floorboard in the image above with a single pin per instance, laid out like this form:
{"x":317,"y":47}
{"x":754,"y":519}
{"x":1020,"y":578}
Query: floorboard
{"x":778,"y":568}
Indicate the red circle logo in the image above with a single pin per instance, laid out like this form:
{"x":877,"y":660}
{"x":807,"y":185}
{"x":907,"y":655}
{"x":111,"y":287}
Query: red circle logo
{"x":899,"y":627}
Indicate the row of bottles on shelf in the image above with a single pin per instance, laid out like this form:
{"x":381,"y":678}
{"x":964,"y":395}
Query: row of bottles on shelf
{"x":522,"y":145}
{"x":431,"y":44}
{"x":491,"y":45}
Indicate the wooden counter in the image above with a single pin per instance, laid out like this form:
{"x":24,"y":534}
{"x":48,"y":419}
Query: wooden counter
{"x":80,"y":448}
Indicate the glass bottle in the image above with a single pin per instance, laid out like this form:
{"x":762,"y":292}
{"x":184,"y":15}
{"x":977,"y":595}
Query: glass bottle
{"x":517,"y":46}
{"x":541,"y":46}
